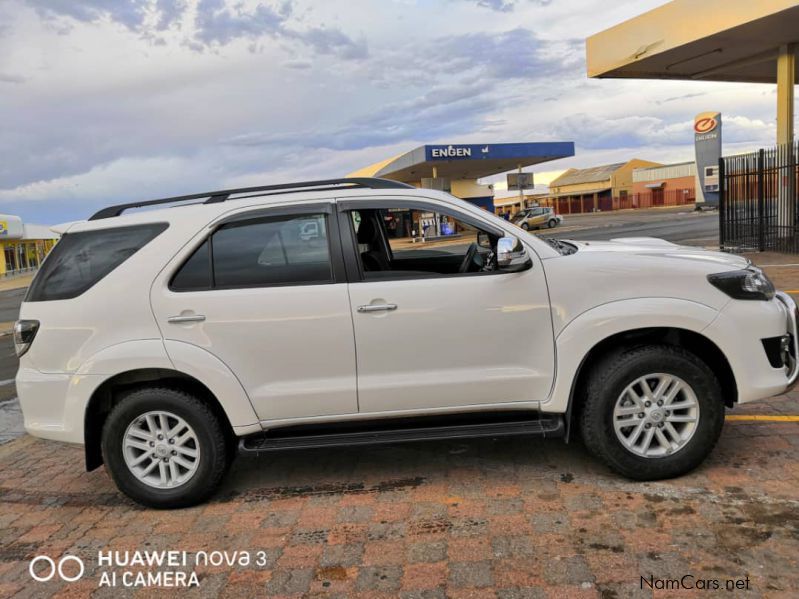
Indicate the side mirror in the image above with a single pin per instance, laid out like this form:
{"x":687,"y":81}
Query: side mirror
{"x":512,"y":255}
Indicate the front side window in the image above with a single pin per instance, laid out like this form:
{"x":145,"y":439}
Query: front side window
{"x":80,"y":260}
{"x":281,"y":250}
{"x":408,"y":242}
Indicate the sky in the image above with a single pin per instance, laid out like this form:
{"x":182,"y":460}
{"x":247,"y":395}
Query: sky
{"x":107,"y":101}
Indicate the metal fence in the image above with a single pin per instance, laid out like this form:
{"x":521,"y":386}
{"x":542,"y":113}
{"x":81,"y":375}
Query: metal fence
{"x":758,"y":201}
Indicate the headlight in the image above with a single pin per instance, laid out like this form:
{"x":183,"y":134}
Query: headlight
{"x":747,"y":284}
{"x":24,"y":332}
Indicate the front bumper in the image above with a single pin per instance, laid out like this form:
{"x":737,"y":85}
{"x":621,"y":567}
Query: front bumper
{"x":793,"y":353}
{"x":738,"y":331}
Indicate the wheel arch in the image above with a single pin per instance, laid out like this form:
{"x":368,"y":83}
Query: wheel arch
{"x":113,"y":389}
{"x":698,"y":344}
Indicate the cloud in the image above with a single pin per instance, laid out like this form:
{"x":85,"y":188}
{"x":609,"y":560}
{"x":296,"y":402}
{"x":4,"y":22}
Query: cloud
{"x":127,"y":99}
{"x":332,"y":41}
{"x":299,"y":65}
{"x":742,"y":129}
{"x":219,"y":24}
{"x":126,"y":179}
{"x":513,"y":54}
{"x":626,"y":132}
{"x":497,"y":5}
{"x":442,"y":111}
{"x":209,"y":24}
{"x":680,"y":97}
{"x":506,"y":5}
{"x":597,"y":133}
{"x":482,"y":63}
{"x":8,"y":78}
{"x":129,"y":13}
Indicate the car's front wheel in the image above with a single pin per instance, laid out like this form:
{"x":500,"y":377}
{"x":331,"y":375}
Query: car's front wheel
{"x":525,"y":226}
{"x":652,"y":412}
{"x":164,"y":448}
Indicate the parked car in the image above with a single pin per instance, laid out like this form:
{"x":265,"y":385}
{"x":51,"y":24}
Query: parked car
{"x":309,"y":230}
{"x":166,"y":341}
{"x":535,"y":218}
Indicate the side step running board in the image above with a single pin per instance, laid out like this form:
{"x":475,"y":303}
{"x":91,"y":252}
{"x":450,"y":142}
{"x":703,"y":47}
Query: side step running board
{"x":551,"y":426}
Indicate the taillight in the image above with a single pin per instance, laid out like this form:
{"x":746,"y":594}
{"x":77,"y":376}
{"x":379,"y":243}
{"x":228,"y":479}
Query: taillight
{"x":24,"y":332}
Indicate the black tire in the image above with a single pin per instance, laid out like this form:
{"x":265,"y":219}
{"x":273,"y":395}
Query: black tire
{"x":608,"y":380}
{"x":551,"y":223}
{"x":213,"y":447}
{"x":525,"y":226}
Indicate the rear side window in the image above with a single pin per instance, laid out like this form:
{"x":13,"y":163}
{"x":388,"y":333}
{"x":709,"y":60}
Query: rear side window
{"x":80,"y":260}
{"x":195,"y":274}
{"x":283,"y":250}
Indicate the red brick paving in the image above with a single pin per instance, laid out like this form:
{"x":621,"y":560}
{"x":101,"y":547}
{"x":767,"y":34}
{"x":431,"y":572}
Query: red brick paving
{"x":503,"y":518}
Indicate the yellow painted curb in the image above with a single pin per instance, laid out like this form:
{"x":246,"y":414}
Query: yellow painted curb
{"x":761,"y":418}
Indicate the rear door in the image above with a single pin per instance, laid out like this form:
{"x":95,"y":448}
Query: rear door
{"x":265,"y":292}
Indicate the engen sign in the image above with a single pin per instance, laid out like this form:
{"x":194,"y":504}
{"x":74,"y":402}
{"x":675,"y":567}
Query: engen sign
{"x":449,"y":152}
{"x":707,"y":144}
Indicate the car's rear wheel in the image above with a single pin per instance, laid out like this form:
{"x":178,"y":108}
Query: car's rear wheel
{"x":164,"y":448}
{"x":652,"y":412}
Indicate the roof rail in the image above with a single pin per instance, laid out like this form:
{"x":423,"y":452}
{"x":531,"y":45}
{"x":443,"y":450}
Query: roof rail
{"x":212,"y":197}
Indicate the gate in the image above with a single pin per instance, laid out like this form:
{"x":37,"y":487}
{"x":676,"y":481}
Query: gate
{"x":758,"y":201}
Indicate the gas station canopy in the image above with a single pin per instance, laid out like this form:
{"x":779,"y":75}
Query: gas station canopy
{"x":465,"y":161}
{"x":710,"y":40}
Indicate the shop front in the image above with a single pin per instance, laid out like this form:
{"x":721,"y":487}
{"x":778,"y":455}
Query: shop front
{"x":24,"y":246}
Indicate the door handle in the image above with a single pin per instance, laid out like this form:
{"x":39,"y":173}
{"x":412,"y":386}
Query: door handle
{"x":377,"y":308}
{"x":186,"y":318}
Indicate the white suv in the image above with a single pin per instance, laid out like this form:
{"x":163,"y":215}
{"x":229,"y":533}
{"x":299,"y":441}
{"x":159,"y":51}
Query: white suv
{"x":169,"y":340}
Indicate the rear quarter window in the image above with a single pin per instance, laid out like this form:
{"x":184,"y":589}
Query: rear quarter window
{"x":80,"y":260}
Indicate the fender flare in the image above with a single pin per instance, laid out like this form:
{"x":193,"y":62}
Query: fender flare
{"x":583,"y":333}
{"x":183,"y":358}
{"x":215,"y":374}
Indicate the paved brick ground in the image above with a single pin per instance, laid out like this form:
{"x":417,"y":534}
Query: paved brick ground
{"x":504,"y":518}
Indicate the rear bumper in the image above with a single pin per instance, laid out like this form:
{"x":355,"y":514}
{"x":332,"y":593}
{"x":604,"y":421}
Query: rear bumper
{"x":54,"y":405}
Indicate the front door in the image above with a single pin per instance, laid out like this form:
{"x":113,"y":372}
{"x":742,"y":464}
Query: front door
{"x":434,"y":328}
{"x":265,"y":293}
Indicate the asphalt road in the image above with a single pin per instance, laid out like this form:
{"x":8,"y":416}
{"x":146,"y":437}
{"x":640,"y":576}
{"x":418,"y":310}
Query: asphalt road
{"x":677,"y":225}
{"x":9,"y":304}
{"x":10,"y":414}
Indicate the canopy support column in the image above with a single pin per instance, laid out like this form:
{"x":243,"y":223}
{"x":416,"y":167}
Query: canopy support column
{"x":786,"y":78}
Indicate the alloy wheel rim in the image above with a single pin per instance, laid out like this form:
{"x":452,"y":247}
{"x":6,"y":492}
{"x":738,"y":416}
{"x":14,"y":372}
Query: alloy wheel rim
{"x":656,"y":415}
{"x":161,"y":450}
